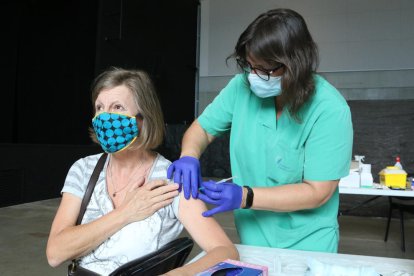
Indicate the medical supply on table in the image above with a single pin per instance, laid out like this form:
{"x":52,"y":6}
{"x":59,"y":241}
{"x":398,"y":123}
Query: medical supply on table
{"x":393,"y":177}
{"x":366,"y":176}
{"x":352,"y":180}
{"x":410,"y":183}
{"x":316,"y":268}
{"x":359,"y":175}
{"x":398,"y":163}
{"x":359,"y":159}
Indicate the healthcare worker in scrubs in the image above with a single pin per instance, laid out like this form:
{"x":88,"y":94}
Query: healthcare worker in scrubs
{"x":290,"y":140}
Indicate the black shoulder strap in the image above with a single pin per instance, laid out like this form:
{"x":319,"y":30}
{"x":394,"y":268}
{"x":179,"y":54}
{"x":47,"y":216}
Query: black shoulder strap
{"x":91,"y":185}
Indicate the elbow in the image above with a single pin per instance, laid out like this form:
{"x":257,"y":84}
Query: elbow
{"x":321,"y":201}
{"x":321,"y":192}
{"x":52,"y":258}
{"x":224,"y":252}
{"x":235,"y":254}
{"x":53,"y":262}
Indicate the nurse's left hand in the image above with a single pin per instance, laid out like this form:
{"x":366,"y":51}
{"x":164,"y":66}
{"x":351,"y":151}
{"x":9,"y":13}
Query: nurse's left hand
{"x":226,"y":196}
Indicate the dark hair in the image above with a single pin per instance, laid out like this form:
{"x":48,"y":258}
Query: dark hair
{"x":145,"y":98}
{"x":281,"y":36}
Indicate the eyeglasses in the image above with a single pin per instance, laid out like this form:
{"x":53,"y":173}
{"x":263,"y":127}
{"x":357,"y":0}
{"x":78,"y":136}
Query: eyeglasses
{"x":260,"y":72}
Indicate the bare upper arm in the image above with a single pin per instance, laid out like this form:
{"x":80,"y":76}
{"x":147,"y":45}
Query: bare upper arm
{"x":200,"y":129}
{"x":67,"y":213}
{"x":323,"y":189}
{"x":206,"y":232}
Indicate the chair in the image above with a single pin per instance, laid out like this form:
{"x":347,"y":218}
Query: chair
{"x":403,"y":204}
{"x":169,"y":256}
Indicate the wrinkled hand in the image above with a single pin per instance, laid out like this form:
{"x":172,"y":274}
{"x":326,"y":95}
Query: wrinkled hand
{"x":187,"y":173}
{"x":227,"y":196}
{"x":142,"y":201}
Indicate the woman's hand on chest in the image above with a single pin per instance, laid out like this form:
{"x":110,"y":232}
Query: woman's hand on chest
{"x":142,"y":201}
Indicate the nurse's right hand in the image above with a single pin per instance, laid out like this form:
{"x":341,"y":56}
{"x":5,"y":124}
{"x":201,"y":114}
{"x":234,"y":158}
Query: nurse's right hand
{"x":187,"y":173}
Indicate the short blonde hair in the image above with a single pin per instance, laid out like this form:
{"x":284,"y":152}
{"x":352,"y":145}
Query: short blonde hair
{"x":151,"y":132}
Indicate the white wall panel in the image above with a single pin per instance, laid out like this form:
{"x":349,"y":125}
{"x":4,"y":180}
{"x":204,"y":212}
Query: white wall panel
{"x":352,"y":35}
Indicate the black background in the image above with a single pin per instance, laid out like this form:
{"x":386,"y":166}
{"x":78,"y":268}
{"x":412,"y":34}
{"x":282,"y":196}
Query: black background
{"x":53,"y":50}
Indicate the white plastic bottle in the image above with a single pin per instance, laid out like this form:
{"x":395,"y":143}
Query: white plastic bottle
{"x":398,"y":163}
{"x":366,"y":176}
{"x":359,"y":158}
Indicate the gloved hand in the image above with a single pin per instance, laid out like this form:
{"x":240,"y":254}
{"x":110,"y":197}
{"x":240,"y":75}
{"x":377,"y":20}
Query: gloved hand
{"x":187,"y":173}
{"x":227,"y":196}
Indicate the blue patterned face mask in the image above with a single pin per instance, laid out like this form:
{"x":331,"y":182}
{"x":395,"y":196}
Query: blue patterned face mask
{"x":115,"y":131}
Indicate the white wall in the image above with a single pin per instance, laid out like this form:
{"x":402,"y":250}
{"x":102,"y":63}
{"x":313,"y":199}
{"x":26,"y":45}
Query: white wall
{"x":352,"y":35}
{"x":366,"y":47}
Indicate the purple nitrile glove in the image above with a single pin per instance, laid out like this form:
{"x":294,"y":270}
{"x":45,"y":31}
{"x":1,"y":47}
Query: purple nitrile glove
{"x":227,"y":196}
{"x":187,"y":173}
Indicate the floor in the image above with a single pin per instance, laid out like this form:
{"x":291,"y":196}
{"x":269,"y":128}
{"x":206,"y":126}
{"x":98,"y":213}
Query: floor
{"x":24,"y":231}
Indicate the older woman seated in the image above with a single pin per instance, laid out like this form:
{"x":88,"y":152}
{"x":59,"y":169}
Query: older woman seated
{"x":133,"y":210}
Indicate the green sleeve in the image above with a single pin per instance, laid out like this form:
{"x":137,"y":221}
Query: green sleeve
{"x":217,"y":117}
{"x":328,"y":150}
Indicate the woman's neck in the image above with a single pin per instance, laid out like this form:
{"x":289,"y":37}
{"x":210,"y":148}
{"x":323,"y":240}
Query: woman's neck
{"x":127,"y":160}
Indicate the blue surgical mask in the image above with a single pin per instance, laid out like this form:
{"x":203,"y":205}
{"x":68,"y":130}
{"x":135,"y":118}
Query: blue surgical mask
{"x":115,"y":131}
{"x":264,"y":89}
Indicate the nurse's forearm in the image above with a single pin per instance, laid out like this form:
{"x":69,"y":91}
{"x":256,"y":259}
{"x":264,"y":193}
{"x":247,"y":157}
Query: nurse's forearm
{"x":294,"y":197}
{"x":195,"y":140}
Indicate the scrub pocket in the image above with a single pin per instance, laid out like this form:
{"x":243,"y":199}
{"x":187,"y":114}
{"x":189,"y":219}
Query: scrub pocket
{"x":284,"y":165}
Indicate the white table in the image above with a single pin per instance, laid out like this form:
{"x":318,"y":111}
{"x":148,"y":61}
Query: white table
{"x":281,"y":262}
{"x":377,"y":190}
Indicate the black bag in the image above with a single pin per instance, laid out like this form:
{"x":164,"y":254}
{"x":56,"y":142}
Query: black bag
{"x":166,"y":258}
{"x":74,"y":269}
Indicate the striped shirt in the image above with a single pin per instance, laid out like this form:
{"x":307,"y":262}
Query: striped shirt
{"x":132,"y":241}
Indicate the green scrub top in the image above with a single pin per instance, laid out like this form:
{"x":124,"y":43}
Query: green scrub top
{"x":265,"y":152}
